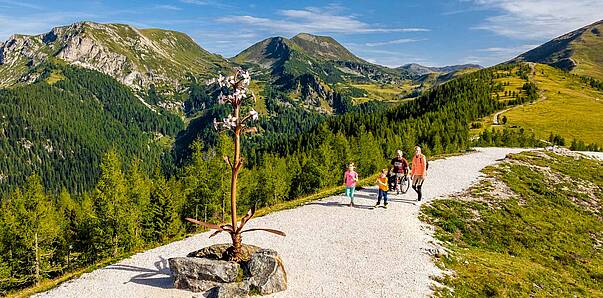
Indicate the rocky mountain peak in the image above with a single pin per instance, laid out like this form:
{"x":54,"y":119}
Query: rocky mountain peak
{"x":135,"y":57}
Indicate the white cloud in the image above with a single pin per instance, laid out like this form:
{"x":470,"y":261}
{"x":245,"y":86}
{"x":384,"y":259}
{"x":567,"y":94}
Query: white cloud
{"x":390,"y":42}
{"x":207,"y":3}
{"x":313,"y":20}
{"x":508,"y":51}
{"x":539,"y":19}
{"x":386,"y":57}
{"x":195,"y":2}
{"x":167,"y":7}
{"x":10,"y":3}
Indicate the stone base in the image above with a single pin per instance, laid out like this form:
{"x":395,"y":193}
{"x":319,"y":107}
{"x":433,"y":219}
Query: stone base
{"x":261,"y":272}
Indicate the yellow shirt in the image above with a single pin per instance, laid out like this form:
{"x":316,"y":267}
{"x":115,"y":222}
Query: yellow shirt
{"x":382,"y":183}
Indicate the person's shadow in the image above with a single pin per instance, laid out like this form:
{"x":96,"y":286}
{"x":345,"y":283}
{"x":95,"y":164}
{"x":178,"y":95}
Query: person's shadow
{"x":146,"y":277}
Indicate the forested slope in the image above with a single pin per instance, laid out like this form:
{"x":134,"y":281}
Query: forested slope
{"x":60,"y":126}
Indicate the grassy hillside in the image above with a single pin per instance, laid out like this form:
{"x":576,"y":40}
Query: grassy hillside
{"x":588,"y":53}
{"x":570,"y":108}
{"x":531,"y":228}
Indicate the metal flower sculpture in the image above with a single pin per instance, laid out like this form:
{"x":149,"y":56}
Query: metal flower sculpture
{"x":234,"y":91}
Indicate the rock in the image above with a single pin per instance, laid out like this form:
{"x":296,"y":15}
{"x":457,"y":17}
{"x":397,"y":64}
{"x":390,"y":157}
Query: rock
{"x":202,"y":274}
{"x":205,"y":271}
{"x":238,"y":289}
{"x":266,"y":272}
{"x":217,"y":252}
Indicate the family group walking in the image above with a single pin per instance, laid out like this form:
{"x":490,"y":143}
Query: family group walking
{"x":393,"y":178}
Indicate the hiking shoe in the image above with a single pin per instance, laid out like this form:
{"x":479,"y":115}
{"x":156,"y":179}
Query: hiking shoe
{"x":376,"y":205}
{"x":385,"y":206}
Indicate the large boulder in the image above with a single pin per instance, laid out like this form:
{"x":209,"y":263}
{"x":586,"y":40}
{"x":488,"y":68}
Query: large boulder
{"x":261,"y":272}
{"x":202,"y":274}
{"x":266,"y":272}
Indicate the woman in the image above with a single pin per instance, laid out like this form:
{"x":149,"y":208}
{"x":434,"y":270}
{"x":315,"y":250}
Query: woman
{"x":419,"y":171}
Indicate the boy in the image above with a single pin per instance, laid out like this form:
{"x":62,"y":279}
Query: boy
{"x":382,"y":183}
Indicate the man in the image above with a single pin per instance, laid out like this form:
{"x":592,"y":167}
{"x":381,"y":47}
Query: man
{"x":419,"y":171}
{"x":400,"y":168}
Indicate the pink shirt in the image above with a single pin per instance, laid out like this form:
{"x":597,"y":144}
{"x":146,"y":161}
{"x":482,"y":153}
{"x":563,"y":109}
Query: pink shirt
{"x":350,"y":178}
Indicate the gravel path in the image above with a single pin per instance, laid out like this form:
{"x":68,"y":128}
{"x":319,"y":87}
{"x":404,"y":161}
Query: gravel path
{"x":330,"y":250}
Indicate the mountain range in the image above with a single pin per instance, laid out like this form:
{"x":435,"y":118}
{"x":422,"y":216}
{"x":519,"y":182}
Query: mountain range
{"x":306,"y":66}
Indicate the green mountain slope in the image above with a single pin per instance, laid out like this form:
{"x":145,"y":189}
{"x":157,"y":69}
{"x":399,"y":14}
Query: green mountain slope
{"x":313,"y":68}
{"x":566,"y":106}
{"x":60,"y":126}
{"x":135,"y":57}
{"x":579,"y":52}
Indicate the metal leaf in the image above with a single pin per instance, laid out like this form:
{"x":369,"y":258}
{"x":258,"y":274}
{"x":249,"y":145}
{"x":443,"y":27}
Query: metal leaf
{"x":228,"y":228}
{"x":205,"y":224}
{"x":266,"y":230}
{"x":247,"y":217}
{"x":215,"y":233}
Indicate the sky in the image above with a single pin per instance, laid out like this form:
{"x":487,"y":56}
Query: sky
{"x":391,"y":33}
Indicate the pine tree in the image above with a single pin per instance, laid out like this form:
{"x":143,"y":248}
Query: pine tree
{"x":30,"y":228}
{"x":113,"y":207}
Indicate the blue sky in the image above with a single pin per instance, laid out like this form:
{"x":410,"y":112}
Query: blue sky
{"x":392,"y":33}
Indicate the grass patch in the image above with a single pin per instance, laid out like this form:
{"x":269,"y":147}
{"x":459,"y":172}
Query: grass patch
{"x":260,"y":105}
{"x":54,"y":77}
{"x":546,"y":241}
{"x":385,"y":92}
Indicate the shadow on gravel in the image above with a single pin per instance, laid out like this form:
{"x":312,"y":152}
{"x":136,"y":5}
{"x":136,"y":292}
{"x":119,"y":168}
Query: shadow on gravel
{"x":403,"y":201}
{"x":147,"y":275}
{"x":339,"y":204}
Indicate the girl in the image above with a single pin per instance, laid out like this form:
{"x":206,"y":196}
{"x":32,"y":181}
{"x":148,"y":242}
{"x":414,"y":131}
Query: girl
{"x":349,"y":180}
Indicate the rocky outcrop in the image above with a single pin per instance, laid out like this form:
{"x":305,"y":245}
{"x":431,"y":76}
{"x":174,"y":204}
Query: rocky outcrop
{"x":137,"y":58}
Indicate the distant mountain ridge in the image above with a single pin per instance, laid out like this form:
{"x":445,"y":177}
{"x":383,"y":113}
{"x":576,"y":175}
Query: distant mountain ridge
{"x":420,"y":70}
{"x":579,"y":51}
{"x":311,"y":67}
{"x":135,"y":57}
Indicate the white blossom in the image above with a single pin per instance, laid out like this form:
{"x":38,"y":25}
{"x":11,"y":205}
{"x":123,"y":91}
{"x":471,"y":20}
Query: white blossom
{"x":221,"y":80}
{"x":254,"y":115}
{"x":231,"y":121}
{"x":221,"y":98}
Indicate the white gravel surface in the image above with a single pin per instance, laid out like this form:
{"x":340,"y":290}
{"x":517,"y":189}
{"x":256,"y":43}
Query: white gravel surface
{"x":330,"y":250}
